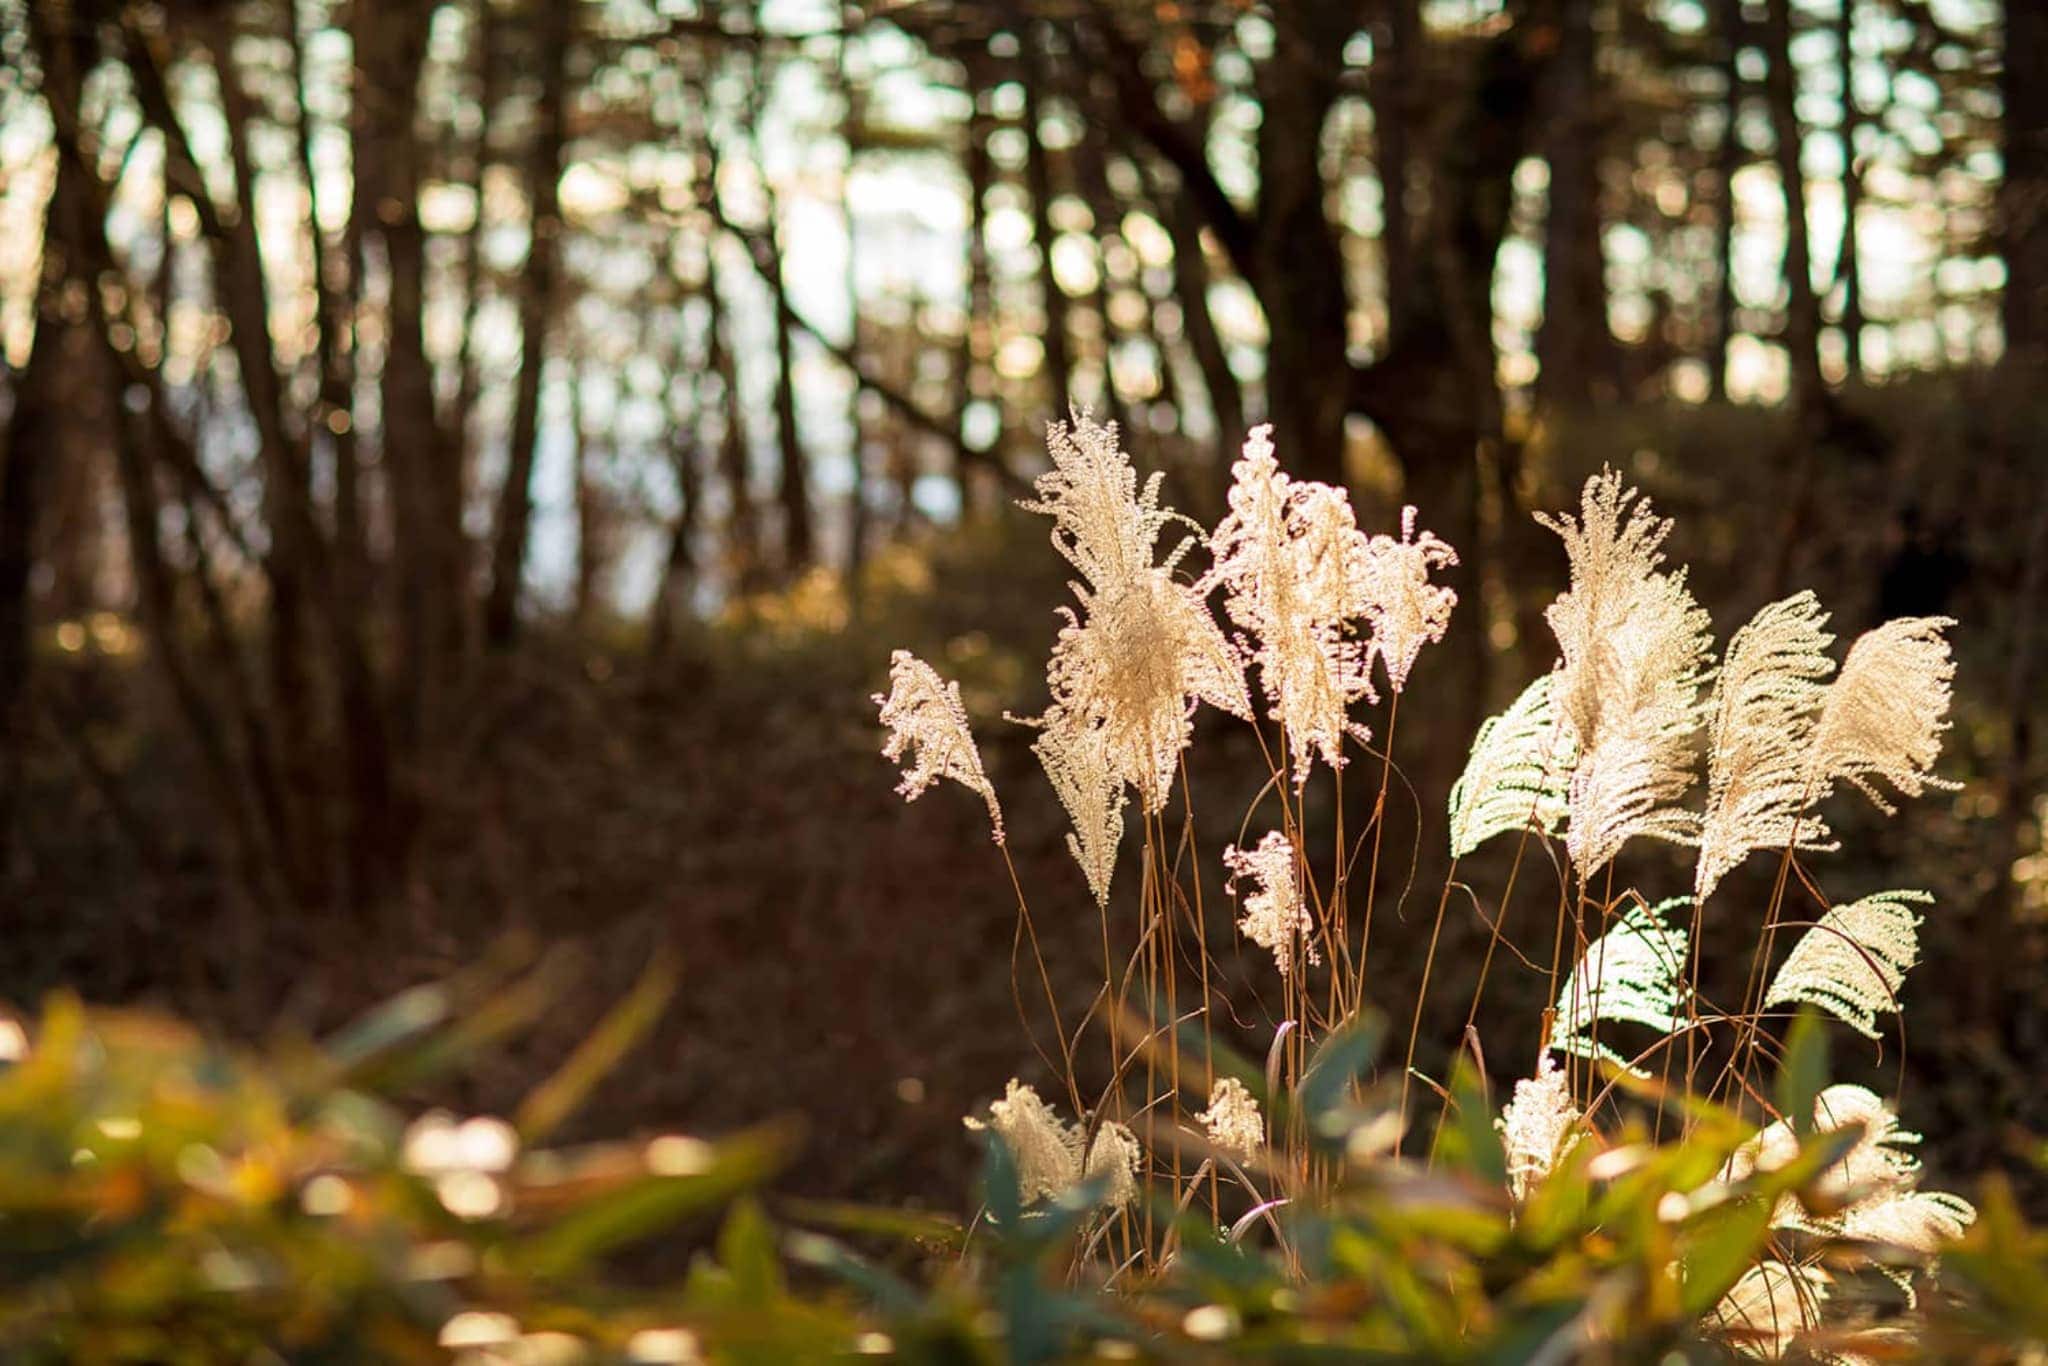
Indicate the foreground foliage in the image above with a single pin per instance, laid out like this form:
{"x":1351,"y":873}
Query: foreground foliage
{"x":165,"y":1199}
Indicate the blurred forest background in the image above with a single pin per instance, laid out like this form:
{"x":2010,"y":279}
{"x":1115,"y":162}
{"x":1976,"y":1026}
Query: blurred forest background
{"x":463,"y":464}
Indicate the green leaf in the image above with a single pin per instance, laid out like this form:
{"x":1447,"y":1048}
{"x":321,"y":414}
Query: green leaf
{"x":1338,"y":1063}
{"x":1804,"y":1072}
{"x":648,"y":1205}
{"x":555,"y":1099}
{"x":1720,"y":1244}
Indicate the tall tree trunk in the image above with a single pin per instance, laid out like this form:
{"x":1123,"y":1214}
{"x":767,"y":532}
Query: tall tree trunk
{"x":1802,"y":310}
{"x":743,"y":525}
{"x":391,"y":48}
{"x":487,"y":77}
{"x":1298,"y":266}
{"x":2023,"y":195}
{"x":1848,"y":262}
{"x":553,"y":34}
{"x":1573,"y":346}
{"x":977,"y":335}
{"x":1393,"y":115}
{"x":369,"y":842}
{"x":793,"y":481}
{"x":856,"y":436}
{"x":34,"y":428}
{"x":1727,"y":161}
{"x":1059,"y":363}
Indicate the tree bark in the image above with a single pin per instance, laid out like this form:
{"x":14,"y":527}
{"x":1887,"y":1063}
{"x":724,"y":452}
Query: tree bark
{"x":1802,"y":309}
{"x":2023,"y":195}
{"x":1848,"y":263}
{"x":1574,"y":349}
{"x":1059,"y":364}
{"x":33,"y":430}
{"x":1298,"y":264}
{"x":1727,"y":161}
{"x":553,"y":32}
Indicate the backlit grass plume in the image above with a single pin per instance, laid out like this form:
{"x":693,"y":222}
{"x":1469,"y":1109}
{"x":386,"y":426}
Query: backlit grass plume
{"x":1538,"y":1124}
{"x":1633,"y":973}
{"x":1290,"y":558}
{"x":1853,"y":963}
{"x":1635,"y":648}
{"x":1075,"y":756}
{"x":1143,"y":649}
{"x":1233,"y":1122}
{"x":1274,"y":916}
{"x":1760,"y":744}
{"x":1406,"y":610}
{"x":1518,"y":772}
{"x":1885,"y":713}
{"x":1772,"y":1304}
{"x":1320,"y":599}
{"x":1054,"y":1157}
{"x":925,"y":718}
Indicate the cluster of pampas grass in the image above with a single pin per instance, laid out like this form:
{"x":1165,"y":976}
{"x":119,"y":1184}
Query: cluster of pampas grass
{"x":1637,"y":733}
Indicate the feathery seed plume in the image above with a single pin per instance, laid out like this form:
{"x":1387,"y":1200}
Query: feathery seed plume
{"x":1232,"y":1121}
{"x":1518,"y":773}
{"x":1759,"y":785}
{"x":1112,"y":1160}
{"x":1274,"y":913}
{"x":1770,"y":1306}
{"x":1537,"y":1126}
{"x":1634,"y":972}
{"x":1885,"y":713}
{"x":1039,"y":1143}
{"x":1854,"y":961}
{"x":1075,"y":758}
{"x":1292,"y":561}
{"x":924,"y":716}
{"x":1406,"y":610}
{"x":1635,"y":649}
{"x":1143,"y":650}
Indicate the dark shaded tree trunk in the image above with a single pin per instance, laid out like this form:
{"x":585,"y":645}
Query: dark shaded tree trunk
{"x":553,"y":34}
{"x":1059,"y":362}
{"x":428,"y":595}
{"x":1574,"y":349}
{"x":1297,"y":264}
{"x":1848,"y":262}
{"x":1394,"y":115}
{"x":977,"y":337}
{"x":793,"y":481}
{"x":1802,"y":307}
{"x":1729,"y":33}
{"x":2023,"y":195}
{"x":33,"y":429}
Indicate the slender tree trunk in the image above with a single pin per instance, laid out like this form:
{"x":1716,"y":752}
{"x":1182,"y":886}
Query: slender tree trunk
{"x":369,"y":842}
{"x":1393,"y":116}
{"x":33,"y":430}
{"x":856,"y":437}
{"x":1848,"y":264}
{"x":487,"y":77}
{"x":1298,"y":265}
{"x":793,"y":482}
{"x":390,"y":49}
{"x":1727,"y":161}
{"x":970,"y":375}
{"x":1802,"y":311}
{"x":2023,"y":195}
{"x":743,"y":527}
{"x":1573,"y":346}
{"x":683,"y":400}
{"x":553,"y":34}
{"x":1059,"y":364}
